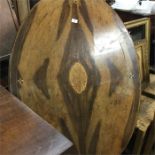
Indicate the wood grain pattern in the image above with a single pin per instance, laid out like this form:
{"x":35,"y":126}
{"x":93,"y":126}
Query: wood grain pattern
{"x":22,"y":132}
{"x":96,"y":110}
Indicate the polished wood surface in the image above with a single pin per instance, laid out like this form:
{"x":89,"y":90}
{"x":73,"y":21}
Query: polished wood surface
{"x":75,"y":65}
{"x":22,"y":132}
{"x":8,"y":28}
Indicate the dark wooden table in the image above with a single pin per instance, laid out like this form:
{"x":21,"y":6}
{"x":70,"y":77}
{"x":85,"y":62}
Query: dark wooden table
{"x":22,"y":132}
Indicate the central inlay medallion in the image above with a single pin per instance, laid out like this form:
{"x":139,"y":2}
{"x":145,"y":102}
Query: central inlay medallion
{"x":78,"y":77}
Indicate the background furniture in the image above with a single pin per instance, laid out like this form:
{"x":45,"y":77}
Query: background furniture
{"x":8,"y":30}
{"x":143,"y":59}
{"x":150,"y":89}
{"x":127,"y":16}
{"x":145,"y":137}
{"x":139,"y":30}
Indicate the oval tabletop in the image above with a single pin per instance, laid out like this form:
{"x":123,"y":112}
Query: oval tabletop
{"x":75,"y":65}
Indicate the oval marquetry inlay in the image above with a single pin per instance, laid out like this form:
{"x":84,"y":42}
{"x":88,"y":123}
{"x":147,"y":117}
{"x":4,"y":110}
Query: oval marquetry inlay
{"x":78,"y":78}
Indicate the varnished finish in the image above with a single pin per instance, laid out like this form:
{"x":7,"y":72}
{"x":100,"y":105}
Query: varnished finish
{"x":8,"y":28}
{"x":22,"y":132}
{"x":75,"y":65}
